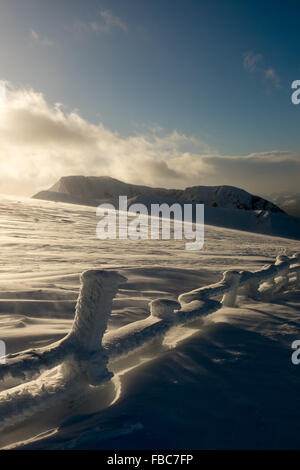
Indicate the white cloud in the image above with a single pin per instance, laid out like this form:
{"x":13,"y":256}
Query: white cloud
{"x":112,"y":21}
{"x":106,"y":23}
{"x":255,"y":63}
{"x":39,"y":143}
{"x":271,"y":74}
{"x":251,"y":61}
{"x":43,"y":40}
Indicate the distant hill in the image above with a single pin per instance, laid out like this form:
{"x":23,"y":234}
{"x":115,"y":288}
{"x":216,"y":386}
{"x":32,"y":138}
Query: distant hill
{"x":225,"y":206}
{"x":96,"y":189}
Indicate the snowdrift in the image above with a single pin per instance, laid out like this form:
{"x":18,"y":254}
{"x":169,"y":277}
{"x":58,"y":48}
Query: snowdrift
{"x":43,"y":377}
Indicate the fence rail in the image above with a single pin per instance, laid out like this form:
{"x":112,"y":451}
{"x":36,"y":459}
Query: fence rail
{"x":90,"y":348}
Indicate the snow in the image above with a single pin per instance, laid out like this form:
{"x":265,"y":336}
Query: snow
{"x":233,"y":356}
{"x":163,"y":308}
{"x":93,"y":308}
{"x":93,"y":189}
{"x":225,"y":206}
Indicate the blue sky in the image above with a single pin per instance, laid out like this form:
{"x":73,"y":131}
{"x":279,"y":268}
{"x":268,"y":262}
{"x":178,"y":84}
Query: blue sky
{"x":219,"y":71}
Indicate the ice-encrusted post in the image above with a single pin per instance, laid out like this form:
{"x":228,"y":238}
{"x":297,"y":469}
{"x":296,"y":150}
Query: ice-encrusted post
{"x":251,"y":286}
{"x":2,"y":352}
{"x":164,"y":308}
{"x":231,"y":278}
{"x":94,"y":305}
{"x":283,"y":278}
{"x":296,"y":260}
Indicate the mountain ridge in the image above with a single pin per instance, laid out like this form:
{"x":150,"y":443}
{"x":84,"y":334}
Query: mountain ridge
{"x":225,"y":206}
{"x":95,"y":189}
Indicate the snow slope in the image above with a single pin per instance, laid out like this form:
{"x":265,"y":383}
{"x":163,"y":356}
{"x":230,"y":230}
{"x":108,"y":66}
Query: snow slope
{"x":225,"y":206}
{"x":87,"y":188}
{"x":265,"y":222}
{"x":229,"y":385}
{"x":234,"y":367}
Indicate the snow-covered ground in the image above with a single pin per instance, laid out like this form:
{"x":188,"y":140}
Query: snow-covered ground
{"x":226,"y":382}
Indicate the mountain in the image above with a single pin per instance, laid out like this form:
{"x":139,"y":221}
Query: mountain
{"x":95,"y":189}
{"x":225,"y":206}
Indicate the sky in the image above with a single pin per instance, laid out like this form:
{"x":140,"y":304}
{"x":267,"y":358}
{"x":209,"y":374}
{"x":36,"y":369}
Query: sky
{"x":168,"y":93}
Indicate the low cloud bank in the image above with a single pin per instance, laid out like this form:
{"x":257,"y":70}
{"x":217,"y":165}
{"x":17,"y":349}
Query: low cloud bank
{"x":40,"y":142}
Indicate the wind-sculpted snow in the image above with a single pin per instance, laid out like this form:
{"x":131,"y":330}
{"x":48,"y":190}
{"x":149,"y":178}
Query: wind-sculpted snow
{"x":82,"y":357}
{"x":128,"y":338}
{"x":46,"y":245}
{"x":22,"y":402}
{"x":93,"y":308}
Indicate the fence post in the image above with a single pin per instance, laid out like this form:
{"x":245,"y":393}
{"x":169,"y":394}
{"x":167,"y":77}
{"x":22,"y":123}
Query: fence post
{"x":231,"y":278}
{"x":296,"y":257}
{"x":296,"y":260}
{"x":280,"y":259}
{"x":94,"y":305}
{"x":284,"y":274}
{"x":2,"y":352}
{"x":250,"y":288}
{"x":163,"y":308}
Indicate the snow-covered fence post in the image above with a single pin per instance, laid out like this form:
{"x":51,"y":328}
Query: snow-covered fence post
{"x":282,"y":261}
{"x":94,"y":305}
{"x":251,"y":285}
{"x":164,"y":308}
{"x":231,"y":278}
{"x":284,"y":273}
{"x":298,"y":277}
{"x":84,"y":351}
{"x":2,"y":352}
{"x":295,"y":260}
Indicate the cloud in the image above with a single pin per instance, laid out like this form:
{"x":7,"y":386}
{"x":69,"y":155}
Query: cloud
{"x":255,"y":63}
{"x":260,"y":172}
{"x":40,"y":142}
{"x":43,"y":40}
{"x":105,"y":24}
{"x":251,"y":61}
{"x":271,"y":74}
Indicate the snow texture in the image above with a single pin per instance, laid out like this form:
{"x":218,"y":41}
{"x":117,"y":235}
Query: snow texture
{"x":93,"y":188}
{"x":53,"y":363}
{"x":225,"y":206}
{"x":81,"y":352}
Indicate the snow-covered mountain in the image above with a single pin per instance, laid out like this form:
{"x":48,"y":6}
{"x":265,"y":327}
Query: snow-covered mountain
{"x":225,"y":206}
{"x":95,"y":189}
